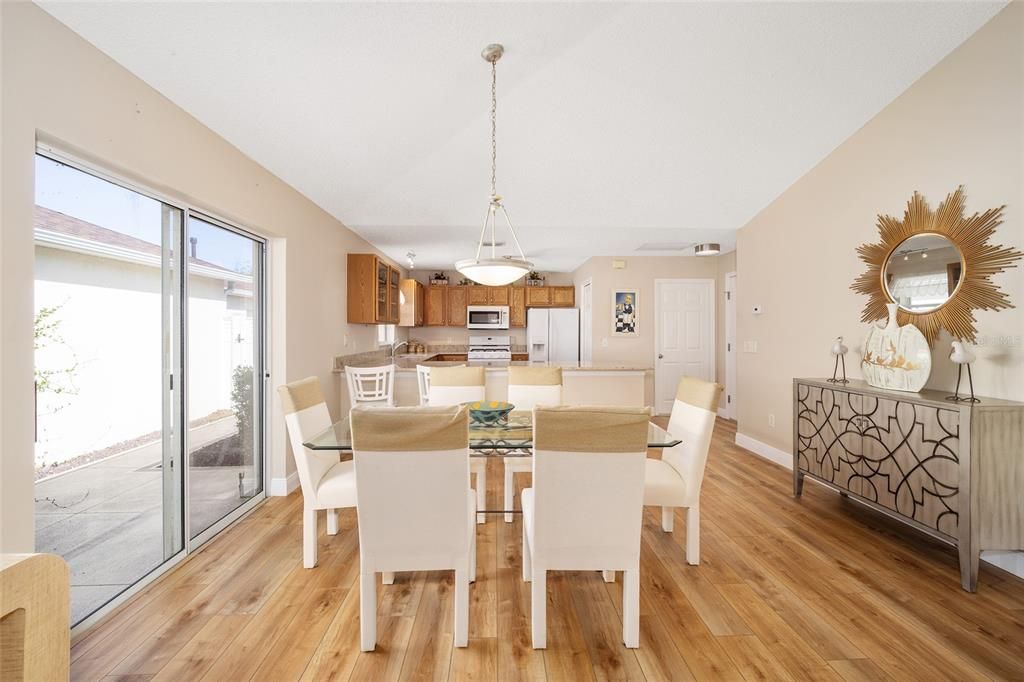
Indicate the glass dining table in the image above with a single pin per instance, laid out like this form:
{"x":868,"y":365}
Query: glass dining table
{"x":514,"y":438}
{"x":511,"y":439}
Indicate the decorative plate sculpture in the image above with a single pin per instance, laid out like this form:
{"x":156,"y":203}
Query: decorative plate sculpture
{"x":895,"y":357}
{"x":936,"y":267}
{"x":489,"y":411}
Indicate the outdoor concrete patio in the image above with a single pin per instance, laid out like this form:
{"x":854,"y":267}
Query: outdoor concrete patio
{"x":107,"y":519}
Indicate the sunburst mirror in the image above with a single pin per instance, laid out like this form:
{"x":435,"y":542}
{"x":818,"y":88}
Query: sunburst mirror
{"x":936,"y":266}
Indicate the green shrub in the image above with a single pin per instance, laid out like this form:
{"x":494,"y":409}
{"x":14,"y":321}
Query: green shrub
{"x":242,"y":404}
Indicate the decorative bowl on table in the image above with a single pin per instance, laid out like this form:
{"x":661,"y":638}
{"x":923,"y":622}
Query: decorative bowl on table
{"x":489,"y":411}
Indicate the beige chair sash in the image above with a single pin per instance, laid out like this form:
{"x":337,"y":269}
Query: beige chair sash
{"x":300,"y":395}
{"x":409,"y":429}
{"x":590,"y":429}
{"x":699,"y":393}
{"x":519,"y":375}
{"x":457,"y":376}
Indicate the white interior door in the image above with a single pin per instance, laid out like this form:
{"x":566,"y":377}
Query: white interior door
{"x":684,"y":311}
{"x":586,"y":321}
{"x":730,"y":346}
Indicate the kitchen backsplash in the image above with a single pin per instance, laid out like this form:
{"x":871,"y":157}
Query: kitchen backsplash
{"x":439,"y":336}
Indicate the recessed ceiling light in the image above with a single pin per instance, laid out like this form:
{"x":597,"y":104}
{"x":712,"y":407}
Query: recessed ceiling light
{"x":709,"y":249}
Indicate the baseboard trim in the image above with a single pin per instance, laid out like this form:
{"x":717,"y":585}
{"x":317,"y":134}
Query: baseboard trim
{"x":282,"y":487}
{"x":768,"y":452}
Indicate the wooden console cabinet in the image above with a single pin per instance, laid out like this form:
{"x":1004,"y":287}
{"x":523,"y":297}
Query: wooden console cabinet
{"x":953,"y":470}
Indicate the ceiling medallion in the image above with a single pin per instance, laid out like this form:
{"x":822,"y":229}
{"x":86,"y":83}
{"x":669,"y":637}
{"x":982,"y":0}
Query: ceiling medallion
{"x":970,"y":288}
{"x":495,"y":270}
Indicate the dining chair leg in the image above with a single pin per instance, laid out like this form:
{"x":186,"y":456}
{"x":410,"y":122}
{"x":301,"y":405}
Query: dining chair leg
{"x":332,"y":521}
{"x":510,"y":489}
{"x":387,"y":578}
{"x":309,"y":537}
{"x":527,"y":558}
{"x":367,"y":611}
{"x":667,"y":515}
{"x":481,"y":492}
{"x":631,"y":607}
{"x":472,"y":555}
{"x":693,"y":535}
{"x":461,"y":607}
{"x":609,"y":576}
{"x":538,"y":608}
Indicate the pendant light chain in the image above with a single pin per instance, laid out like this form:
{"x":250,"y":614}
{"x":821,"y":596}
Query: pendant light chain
{"x":494,"y":271}
{"x":494,"y":127}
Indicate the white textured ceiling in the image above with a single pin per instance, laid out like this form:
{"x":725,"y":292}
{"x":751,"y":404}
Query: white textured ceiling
{"x":618,"y":124}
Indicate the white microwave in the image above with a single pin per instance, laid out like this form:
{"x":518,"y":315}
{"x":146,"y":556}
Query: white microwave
{"x":487,"y":317}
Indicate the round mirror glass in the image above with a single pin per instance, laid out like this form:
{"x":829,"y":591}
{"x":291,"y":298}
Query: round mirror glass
{"x":923,"y":273}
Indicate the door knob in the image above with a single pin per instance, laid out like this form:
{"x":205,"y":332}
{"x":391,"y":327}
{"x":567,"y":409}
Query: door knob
{"x":660,"y":356}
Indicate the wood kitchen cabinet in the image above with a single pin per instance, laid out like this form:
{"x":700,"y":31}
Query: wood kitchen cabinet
{"x":550,"y":297}
{"x":563,"y":297}
{"x":458,"y":299}
{"x":517,"y":307}
{"x":373,"y":295}
{"x":435,"y":305}
{"x":478,"y":295}
{"x":498,"y":295}
{"x":411,"y":311}
{"x":538,"y":297}
{"x":482,"y":295}
{"x":445,"y":306}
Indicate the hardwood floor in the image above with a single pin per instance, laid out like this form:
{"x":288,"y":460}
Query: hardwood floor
{"x":816,"y":588}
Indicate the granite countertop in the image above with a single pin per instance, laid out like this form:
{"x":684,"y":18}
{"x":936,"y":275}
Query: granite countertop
{"x":407,"y":363}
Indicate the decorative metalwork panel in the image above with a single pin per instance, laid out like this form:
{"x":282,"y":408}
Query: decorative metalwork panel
{"x":828,"y":441}
{"x":901,"y":455}
{"x":911,"y":460}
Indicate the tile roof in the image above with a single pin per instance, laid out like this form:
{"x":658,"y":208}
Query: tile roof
{"x":60,"y":223}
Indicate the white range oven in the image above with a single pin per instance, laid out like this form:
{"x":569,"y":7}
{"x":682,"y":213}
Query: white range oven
{"x":487,"y":317}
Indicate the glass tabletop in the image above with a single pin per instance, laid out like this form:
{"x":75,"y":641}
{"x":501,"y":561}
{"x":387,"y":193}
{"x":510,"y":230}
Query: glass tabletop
{"x":512,"y":438}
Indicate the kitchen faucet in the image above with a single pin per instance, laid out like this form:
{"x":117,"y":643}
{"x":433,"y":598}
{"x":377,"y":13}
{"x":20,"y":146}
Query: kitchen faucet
{"x":395,"y":346}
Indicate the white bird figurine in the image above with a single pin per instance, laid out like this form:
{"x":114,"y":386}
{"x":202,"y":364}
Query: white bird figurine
{"x":963,"y":355}
{"x":839,"y":350}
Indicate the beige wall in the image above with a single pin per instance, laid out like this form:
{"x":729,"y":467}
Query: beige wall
{"x":60,"y":87}
{"x":726,"y":263}
{"x":639,"y":274}
{"x":959,"y":124}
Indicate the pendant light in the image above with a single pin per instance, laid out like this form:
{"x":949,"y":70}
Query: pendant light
{"x":495,"y":270}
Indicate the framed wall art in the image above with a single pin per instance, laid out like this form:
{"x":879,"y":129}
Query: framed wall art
{"x":625,"y":313}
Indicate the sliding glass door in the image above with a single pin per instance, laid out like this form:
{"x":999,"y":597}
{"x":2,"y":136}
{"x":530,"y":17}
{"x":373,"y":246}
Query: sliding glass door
{"x":148,"y":347}
{"x":225,"y":371}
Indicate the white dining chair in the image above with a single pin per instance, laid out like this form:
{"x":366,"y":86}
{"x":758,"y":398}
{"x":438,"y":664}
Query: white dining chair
{"x":675,"y":479}
{"x":371,"y":385}
{"x":423,"y":383}
{"x":326,"y":483}
{"x":415,"y":505}
{"x":585,"y":508}
{"x":454,"y":386}
{"x":528,"y":387}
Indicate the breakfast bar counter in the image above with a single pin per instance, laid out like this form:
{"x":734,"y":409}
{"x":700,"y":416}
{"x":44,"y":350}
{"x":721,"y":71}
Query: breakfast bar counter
{"x":583,"y":383}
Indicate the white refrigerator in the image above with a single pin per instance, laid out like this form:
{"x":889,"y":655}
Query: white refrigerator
{"x":553,"y":334}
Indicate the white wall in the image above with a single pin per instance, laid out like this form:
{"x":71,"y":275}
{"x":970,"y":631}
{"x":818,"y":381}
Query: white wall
{"x":108,"y":324}
{"x":57,"y":87}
